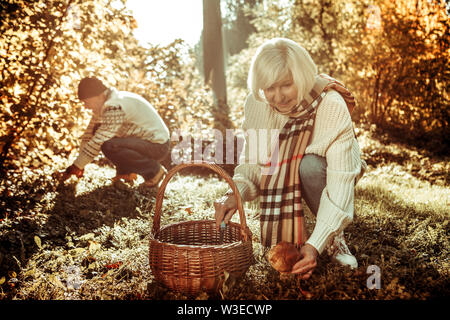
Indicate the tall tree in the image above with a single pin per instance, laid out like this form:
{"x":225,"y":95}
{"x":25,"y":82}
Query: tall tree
{"x":213,"y":61}
{"x":238,"y":25}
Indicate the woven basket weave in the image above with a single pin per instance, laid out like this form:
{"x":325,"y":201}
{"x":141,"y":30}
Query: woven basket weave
{"x":190,"y":257}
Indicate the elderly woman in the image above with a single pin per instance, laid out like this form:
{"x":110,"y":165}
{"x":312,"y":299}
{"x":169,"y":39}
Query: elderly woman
{"x":315,"y":157}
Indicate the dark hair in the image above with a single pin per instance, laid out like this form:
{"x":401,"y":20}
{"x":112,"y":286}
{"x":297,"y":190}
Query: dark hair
{"x":90,"y":87}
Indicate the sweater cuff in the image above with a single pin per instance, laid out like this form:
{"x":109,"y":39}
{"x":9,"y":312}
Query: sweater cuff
{"x":330,"y":220}
{"x":246,"y":190}
{"x":82,"y":160}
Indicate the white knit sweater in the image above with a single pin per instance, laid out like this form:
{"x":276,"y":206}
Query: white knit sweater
{"x":333,"y":138}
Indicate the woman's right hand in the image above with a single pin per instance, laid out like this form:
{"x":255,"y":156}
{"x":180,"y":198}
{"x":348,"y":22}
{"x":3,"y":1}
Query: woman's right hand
{"x":225,"y":208}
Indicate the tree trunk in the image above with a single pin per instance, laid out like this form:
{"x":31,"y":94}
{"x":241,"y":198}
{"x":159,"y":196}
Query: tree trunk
{"x":213,"y":61}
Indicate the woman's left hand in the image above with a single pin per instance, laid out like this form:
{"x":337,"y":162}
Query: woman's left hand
{"x":308,"y":261}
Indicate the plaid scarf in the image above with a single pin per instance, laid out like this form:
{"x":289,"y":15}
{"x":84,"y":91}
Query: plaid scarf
{"x":282,"y":217}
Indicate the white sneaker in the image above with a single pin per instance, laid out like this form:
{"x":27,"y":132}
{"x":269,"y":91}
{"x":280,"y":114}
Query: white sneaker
{"x":339,"y":252}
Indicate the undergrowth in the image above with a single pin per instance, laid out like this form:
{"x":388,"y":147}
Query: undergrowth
{"x":88,"y":239}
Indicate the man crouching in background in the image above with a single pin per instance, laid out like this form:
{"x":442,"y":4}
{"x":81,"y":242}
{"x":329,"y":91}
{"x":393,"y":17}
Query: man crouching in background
{"x":127,"y":129}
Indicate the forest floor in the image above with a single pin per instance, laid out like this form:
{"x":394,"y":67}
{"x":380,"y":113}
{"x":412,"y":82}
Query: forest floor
{"x":89,"y":238}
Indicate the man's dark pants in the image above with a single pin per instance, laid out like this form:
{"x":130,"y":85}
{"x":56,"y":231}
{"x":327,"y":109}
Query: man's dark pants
{"x":135,"y":155}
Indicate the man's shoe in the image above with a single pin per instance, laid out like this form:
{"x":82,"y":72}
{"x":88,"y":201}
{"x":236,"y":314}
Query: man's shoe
{"x":129,"y":177}
{"x":154,"y":181}
{"x":340,"y":253}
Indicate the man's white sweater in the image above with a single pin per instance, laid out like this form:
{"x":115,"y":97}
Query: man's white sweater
{"x":332,"y":138}
{"x":124,"y":114}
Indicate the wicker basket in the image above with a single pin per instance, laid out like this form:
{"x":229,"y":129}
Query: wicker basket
{"x":190,"y":257}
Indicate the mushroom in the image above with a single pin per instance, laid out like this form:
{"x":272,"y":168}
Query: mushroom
{"x":283,"y":256}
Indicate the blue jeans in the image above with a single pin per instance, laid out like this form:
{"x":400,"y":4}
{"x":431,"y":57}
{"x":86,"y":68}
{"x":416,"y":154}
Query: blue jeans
{"x":313,"y":178}
{"x":135,"y":155}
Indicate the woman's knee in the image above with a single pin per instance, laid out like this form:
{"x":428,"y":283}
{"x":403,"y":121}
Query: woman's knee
{"x":108,"y":147}
{"x":313,"y":180}
{"x":313,"y":168}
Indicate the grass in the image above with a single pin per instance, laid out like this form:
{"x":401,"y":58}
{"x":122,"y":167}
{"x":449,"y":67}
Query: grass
{"x":89,"y":240}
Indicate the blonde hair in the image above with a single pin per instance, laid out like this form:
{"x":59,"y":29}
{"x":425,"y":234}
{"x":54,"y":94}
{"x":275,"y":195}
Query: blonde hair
{"x":276,"y":59}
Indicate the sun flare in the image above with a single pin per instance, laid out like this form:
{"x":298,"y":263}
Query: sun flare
{"x":161,"y":22}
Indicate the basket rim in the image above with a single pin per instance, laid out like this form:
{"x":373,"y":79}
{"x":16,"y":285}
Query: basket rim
{"x":212,"y":166}
{"x":154,"y":237}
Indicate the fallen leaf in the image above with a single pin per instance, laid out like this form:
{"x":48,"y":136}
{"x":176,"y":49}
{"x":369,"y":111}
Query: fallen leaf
{"x":86,"y":237}
{"x":306,"y":294}
{"x":2,"y":280}
{"x":114,"y":265}
{"x":226,"y":275}
{"x":37,"y":240}
{"x":107,"y":274}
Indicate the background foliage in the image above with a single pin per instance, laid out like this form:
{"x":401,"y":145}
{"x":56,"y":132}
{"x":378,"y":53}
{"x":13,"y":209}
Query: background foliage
{"x":393,"y":55}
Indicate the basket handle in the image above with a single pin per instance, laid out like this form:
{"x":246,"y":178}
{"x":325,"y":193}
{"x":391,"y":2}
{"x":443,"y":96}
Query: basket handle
{"x":213,"y":167}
